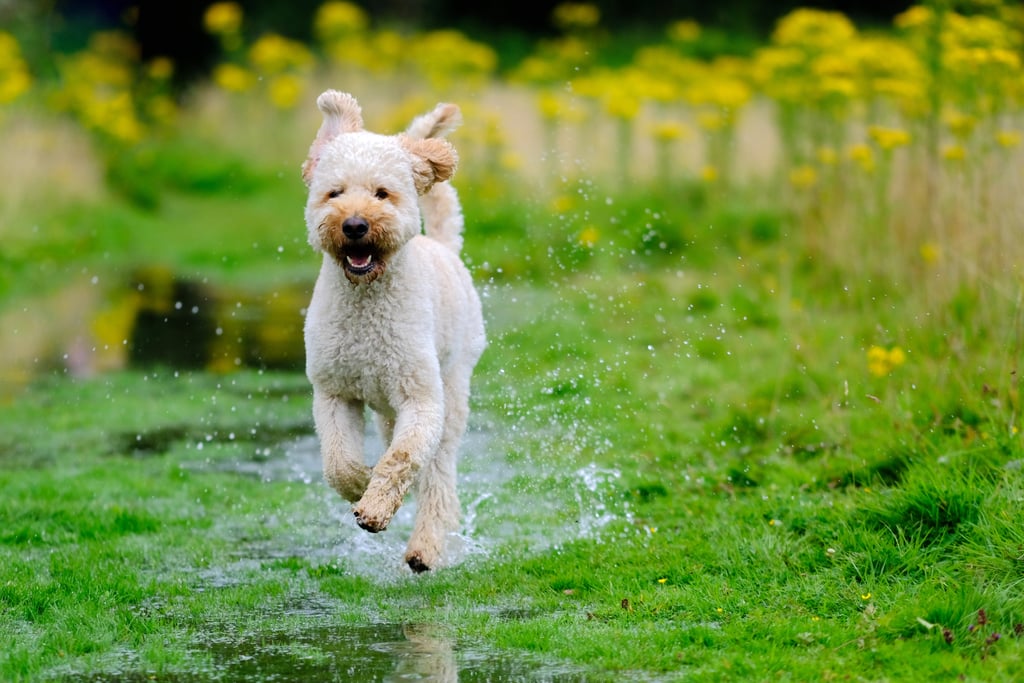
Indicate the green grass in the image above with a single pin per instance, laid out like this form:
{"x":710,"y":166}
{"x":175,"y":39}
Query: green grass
{"x":775,"y":511}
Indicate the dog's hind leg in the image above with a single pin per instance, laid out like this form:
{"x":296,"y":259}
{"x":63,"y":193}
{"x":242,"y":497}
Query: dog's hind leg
{"x":340,"y":426}
{"x":437,"y":500}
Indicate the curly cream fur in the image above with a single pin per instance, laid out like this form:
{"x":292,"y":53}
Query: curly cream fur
{"x":394,"y":323}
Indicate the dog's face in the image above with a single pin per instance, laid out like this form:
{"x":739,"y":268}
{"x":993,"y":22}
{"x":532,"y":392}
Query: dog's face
{"x":363,"y":188}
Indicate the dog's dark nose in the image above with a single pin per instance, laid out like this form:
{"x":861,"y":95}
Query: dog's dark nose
{"x":355,"y":227}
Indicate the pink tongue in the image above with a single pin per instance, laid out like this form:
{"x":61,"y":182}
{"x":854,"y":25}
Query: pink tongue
{"x":359,"y":261}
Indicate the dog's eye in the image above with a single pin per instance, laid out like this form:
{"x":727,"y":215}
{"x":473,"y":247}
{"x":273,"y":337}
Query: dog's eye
{"x":381,"y":193}
{"x":334,"y":194}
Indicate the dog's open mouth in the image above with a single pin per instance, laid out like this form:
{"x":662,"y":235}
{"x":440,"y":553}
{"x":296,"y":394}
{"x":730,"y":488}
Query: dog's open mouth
{"x":360,"y":263}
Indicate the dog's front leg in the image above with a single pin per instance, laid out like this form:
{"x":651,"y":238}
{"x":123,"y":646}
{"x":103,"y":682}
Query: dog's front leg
{"x":340,"y":425}
{"x":418,"y":427}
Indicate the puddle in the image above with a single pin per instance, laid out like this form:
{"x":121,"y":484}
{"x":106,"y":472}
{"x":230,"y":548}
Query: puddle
{"x":364,"y":652}
{"x":498,"y":510}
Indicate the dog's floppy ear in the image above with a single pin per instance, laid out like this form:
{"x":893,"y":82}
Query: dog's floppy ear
{"x":433,"y":161}
{"x":341,"y":115}
{"x":438,"y":123}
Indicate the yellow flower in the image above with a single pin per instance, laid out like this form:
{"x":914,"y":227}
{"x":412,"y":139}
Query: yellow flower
{"x":803,"y":177}
{"x":13,"y":85}
{"x":14,"y":75}
{"x":273,"y":54}
{"x":576,"y":15}
{"x":666,"y":131}
{"x":449,"y":56}
{"x":335,"y":20}
{"x":684,"y":31}
{"x":930,"y":252}
{"x":862,"y":155}
{"x":562,"y":203}
{"x":889,"y":138}
{"x":588,"y":236}
{"x":813,"y":29}
{"x":882,"y":361}
{"x":284,"y":90}
{"x":160,"y":68}
{"x":1008,"y":138}
{"x":827,"y":156}
{"x":662,"y":580}
{"x":550,"y":105}
{"x":918,"y":15}
{"x":954,"y":153}
{"x":711,"y":120}
{"x":709,"y":174}
{"x":622,"y":106}
{"x":961,"y":125}
{"x":223,"y":18}
{"x":233,"y":78}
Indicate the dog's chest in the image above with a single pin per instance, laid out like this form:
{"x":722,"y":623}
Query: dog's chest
{"x":360,"y":348}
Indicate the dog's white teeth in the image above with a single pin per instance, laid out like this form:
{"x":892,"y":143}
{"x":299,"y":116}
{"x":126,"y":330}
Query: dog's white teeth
{"x":362,"y":262}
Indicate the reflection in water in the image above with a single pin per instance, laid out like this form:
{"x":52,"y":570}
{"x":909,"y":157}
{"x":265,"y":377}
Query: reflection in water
{"x":190,"y":324}
{"x":376,"y":652}
{"x":155,"y":317}
{"x":386,"y":653}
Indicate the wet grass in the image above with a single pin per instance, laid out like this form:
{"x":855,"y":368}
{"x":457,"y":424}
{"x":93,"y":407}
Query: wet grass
{"x":681,"y":466}
{"x":772,"y":511}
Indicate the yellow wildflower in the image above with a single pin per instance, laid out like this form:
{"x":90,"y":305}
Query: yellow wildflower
{"x":562,"y":203}
{"x":14,"y":75}
{"x":233,"y":78}
{"x":916,"y":16}
{"x":862,"y":155}
{"x":622,"y":106}
{"x":709,"y":174}
{"x":576,"y":15}
{"x":889,"y":138}
{"x":1008,"y":138}
{"x":666,"y":131}
{"x":335,"y":20}
{"x":813,"y":29}
{"x":274,"y":54}
{"x":882,"y":361}
{"x":827,"y":156}
{"x":160,"y":68}
{"x":961,"y":125}
{"x":223,"y":18}
{"x":711,"y":120}
{"x":803,"y":177}
{"x":588,"y":236}
{"x":684,"y":31}
{"x":954,"y":153}
{"x":930,"y":252}
{"x":284,"y":90}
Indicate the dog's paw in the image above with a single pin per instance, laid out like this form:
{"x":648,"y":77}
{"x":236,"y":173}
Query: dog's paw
{"x":374,"y":513}
{"x":369,"y":523}
{"x":417,"y":563}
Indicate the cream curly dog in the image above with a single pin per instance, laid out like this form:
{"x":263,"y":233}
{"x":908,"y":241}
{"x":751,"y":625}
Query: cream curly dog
{"x":394,"y":323}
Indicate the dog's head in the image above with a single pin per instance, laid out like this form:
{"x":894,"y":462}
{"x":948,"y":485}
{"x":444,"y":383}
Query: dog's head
{"x":364,"y":187}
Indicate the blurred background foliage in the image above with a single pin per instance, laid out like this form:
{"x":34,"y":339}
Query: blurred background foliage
{"x":596,"y":136}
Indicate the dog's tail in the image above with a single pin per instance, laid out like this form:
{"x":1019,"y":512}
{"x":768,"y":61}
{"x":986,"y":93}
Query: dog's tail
{"x":442,"y":212}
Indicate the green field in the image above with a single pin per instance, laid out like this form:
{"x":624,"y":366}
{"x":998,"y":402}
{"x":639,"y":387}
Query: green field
{"x":756,"y":420}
